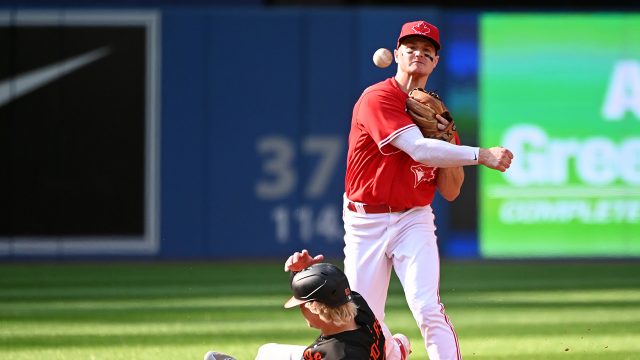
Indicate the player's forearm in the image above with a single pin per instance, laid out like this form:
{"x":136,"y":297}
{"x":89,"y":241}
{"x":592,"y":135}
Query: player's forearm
{"x":434,"y":152}
{"x":449,"y":182}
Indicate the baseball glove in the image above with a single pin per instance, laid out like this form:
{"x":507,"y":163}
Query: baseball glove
{"x":423,"y":106}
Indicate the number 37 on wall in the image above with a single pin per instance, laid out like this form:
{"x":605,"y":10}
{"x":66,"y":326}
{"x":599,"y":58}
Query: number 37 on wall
{"x":280,"y":165}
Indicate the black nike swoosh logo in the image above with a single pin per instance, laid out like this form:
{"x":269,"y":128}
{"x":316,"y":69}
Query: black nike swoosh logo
{"x":13,"y":88}
{"x":475,"y":157}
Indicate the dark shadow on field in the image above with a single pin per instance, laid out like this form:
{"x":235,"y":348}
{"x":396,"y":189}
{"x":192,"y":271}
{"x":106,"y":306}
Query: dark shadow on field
{"x":181,"y":339}
{"x":563,"y":354}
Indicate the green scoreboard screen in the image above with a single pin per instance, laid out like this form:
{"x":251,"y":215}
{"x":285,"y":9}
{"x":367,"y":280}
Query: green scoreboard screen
{"x":562,"y":91}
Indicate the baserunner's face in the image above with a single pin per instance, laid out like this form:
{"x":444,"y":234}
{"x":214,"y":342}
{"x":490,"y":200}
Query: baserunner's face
{"x":313,"y":320}
{"x":416,"y":56}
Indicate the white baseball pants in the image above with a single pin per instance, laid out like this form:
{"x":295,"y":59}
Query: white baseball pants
{"x":273,"y":351}
{"x":406,"y":242}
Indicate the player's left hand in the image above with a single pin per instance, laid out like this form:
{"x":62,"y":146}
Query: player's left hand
{"x":301,"y":260}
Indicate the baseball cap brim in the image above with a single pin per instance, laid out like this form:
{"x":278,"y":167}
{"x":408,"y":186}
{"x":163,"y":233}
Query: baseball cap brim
{"x":435,"y":43}
{"x":294,"y":302}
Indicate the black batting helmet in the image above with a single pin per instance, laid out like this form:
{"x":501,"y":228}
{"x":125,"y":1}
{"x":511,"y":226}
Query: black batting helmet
{"x":321,"y":282}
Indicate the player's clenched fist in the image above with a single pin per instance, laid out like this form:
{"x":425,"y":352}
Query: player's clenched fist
{"x":497,"y":158}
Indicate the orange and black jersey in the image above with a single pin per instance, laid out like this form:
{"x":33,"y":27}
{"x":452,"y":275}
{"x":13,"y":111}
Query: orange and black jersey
{"x":364,"y":343}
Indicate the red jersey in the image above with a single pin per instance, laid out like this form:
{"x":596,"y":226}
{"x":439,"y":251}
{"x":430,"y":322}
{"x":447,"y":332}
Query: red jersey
{"x":378,"y":173}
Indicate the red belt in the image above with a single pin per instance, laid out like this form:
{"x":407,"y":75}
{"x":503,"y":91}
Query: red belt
{"x":375,"y":209}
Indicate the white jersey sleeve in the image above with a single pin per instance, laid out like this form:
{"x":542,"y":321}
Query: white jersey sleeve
{"x":434,"y":152}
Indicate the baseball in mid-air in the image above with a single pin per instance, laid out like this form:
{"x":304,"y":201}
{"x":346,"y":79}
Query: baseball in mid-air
{"x":382,"y":58}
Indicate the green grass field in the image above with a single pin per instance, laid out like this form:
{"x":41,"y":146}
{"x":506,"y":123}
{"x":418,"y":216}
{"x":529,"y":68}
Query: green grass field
{"x":159,"y":311}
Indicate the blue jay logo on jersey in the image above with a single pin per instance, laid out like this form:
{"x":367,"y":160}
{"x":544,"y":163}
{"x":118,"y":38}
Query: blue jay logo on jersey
{"x":423,"y":173}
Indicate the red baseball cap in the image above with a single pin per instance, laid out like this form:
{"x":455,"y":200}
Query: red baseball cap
{"x":421,"y":28}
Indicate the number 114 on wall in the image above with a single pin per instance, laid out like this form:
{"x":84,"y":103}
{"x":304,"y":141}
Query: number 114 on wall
{"x":305,"y":224}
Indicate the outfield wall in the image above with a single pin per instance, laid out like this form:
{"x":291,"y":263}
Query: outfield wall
{"x":202,"y":132}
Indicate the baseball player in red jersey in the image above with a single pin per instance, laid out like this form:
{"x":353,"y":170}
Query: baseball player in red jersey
{"x":392,"y":175}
